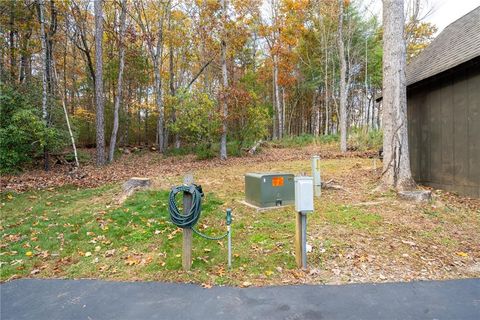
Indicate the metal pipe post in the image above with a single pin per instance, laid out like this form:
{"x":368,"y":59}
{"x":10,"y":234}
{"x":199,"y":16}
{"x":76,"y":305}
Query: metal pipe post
{"x":317,"y":182}
{"x":304,"y":240}
{"x":229,"y":237}
{"x":229,"y":230}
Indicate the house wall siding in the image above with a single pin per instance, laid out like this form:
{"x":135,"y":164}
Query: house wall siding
{"x":444,"y":132}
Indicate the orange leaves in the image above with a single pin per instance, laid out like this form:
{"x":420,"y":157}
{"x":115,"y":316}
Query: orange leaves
{"x":138,"y":259}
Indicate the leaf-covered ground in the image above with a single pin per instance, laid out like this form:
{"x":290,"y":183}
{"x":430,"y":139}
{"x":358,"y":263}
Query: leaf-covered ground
{"x":356,"y":235}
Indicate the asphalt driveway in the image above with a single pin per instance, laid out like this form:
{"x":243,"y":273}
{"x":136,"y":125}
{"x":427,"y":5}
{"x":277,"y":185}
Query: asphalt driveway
{"x":95,"y":299}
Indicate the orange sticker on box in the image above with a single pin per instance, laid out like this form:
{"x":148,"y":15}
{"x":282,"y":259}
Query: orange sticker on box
{"x":277,"y":182}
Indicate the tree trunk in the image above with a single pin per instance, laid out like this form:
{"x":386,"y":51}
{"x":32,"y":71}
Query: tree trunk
{"x":118,"y":98}
{"x":45,"y":66}
{"x":396,"y":161}
{"x":13,"y":57}
{"x":99,"y":96}
{"x":327,"y":97}
{"x":223,"y":139}
{"x":315,"y":115}
{"x":343,"y":85}
{"x":278,"y":107}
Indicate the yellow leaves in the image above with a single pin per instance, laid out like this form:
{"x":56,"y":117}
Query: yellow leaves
{"x":29,"y":253}
{"x":136,"y":259}
{"x":84,"y":114}
{"x":268,"y":273}
{"x":9,"y":197}
{"x":462,"y":254}
{"x":131,"y":261}
{"x":173,"y":233}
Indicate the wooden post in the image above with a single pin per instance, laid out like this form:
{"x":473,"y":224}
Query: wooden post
{"x":187,"y":232}
{"x":298,"y":240}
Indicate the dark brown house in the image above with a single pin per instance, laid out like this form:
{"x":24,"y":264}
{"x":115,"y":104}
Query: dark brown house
{"x":443,"y":97}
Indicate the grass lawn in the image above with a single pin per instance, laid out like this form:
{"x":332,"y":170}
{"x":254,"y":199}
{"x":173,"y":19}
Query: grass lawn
{"x":356,"y":235}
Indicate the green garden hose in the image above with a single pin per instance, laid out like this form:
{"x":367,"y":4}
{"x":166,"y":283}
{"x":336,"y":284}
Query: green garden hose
{"x":190,"y":219}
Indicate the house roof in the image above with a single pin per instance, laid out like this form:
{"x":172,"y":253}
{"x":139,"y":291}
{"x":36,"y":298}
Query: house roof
{"x":456,"y":44}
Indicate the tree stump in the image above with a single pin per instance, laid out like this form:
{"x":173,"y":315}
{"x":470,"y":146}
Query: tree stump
{"x":416,"y":196}
{"x":134,"y":184}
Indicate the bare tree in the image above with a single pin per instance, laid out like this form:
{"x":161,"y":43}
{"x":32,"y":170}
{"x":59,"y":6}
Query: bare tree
{"x":223,"y":139}
{"x":343,"y":84}
{"x":155,"y":49}
{"x":99,"y":96}
{"x":396,"y":160}
{"x":118,"y":97}
{"x":47,"y":58}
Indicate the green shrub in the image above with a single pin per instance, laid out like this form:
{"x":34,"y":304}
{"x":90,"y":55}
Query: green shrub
{"x":329,"y":138}
{"x":205,"y":151}
{"x":305,"y":140}
{"x":360,"y":139}
{"x":83,"y":157}
{"x":234,"y":149}
{"x":23,"y":133}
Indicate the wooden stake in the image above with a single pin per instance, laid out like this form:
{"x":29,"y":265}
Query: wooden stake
{"x":298,"y":240}
{"x":187,"y":232}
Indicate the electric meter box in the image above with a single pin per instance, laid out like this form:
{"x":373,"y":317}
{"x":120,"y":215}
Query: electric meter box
{"x":269,"y":189}
{"x":304,"y":194}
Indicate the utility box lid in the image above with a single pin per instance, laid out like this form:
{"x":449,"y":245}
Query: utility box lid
{"x":269,"y":189}
{"x":304,"y":194}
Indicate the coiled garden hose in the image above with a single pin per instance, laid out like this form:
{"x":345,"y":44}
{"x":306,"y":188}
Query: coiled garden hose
{"x":190,"y":219}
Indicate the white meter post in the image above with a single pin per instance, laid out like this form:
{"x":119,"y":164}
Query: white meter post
{"x":317,"y":182}
{"x":303,"y":206}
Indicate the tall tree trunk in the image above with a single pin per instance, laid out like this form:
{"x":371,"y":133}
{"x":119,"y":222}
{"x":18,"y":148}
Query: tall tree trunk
{"x":45,"y":66}
{"x":13,"y":57}
{"x":343,"y":85}
{"x":367,"y":102}
{"x":118,"y":98}
{"x":327,"y":97}
{"x":99,"y":95}
{"x":277,"y":102}
{"x":396,"y":160}
{"x":316,"y":114}
{"x":157,"y":55}
{"x":172,"y":75}
{"x":223,"y":139}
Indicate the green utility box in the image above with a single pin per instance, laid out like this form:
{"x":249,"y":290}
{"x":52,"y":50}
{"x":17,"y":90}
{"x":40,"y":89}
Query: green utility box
{"x":269,"y":189}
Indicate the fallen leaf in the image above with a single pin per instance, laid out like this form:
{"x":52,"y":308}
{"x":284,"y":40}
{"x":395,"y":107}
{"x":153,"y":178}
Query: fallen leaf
{"x":109,"y":253}
{"x":29,"y":253}
{"x":88,"y":254}
{"x":462,"y":254}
